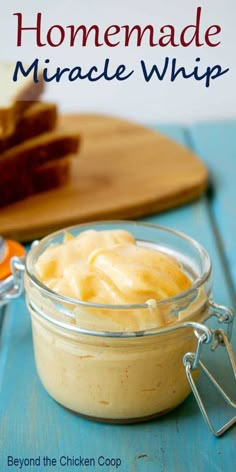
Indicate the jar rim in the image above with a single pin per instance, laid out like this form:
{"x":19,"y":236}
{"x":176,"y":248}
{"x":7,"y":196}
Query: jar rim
{"x":177,"y":298}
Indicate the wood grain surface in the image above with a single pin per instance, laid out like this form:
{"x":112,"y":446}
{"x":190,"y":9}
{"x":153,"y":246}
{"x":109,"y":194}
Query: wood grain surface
{"x":123,"y":171}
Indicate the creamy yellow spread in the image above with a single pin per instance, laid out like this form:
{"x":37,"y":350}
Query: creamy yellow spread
{"x":105,"y":377}
{"x":109,"y":267}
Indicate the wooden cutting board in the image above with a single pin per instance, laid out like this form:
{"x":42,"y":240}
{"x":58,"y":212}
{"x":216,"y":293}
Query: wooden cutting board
{"x":123,"y":171}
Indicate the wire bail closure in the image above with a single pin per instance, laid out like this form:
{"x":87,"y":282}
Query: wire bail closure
{"x":13,"y":286}
{"x":193,"y":360}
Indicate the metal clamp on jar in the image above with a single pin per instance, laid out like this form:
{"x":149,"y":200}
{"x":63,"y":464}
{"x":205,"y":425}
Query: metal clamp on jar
{"x":123,"y":376}
{"x":12,"y":263}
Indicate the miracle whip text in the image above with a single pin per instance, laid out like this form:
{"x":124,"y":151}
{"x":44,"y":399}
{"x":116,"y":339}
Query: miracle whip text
{"x":79,"y":36}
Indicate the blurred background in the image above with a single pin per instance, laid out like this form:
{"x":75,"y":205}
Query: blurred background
{"x":184,"y":101}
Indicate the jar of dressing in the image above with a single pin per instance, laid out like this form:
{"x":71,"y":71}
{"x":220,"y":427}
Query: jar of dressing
{"x":121,"y":362}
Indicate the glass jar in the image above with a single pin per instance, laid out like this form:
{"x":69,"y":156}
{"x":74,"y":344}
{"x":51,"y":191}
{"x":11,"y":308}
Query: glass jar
{"x":95,"y":365}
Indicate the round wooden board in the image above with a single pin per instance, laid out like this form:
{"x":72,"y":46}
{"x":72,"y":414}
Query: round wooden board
{"x":123,"y":170}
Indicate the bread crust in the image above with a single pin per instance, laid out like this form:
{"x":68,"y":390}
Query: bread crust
{"x":36,"y":119}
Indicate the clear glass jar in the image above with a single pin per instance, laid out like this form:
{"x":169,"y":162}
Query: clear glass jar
{"x":89,"y":363}
{"x":110,"y":375}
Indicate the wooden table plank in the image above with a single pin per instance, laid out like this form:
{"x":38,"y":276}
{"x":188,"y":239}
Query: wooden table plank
{"x":32,"y":424}
{"x":216,"y":143}
{"x":195,"y":219}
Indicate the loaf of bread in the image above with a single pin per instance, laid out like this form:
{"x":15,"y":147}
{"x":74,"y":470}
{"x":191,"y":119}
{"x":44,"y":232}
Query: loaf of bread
{"x":39,"y":118}
{"x":35,"y":155}
{"x":15,"y":97}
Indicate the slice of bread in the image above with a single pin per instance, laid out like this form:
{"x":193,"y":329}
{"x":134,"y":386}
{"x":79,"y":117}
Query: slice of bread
{"x":18,"y":165}
{"x":52,"y":174}
{"x":37,"y":151}
{"x":39,"y":118}
{"x":43,"y":178}
{"x":17,"y":97}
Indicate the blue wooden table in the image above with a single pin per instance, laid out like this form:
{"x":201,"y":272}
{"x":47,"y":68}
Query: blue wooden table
{"x":32,"y":425}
